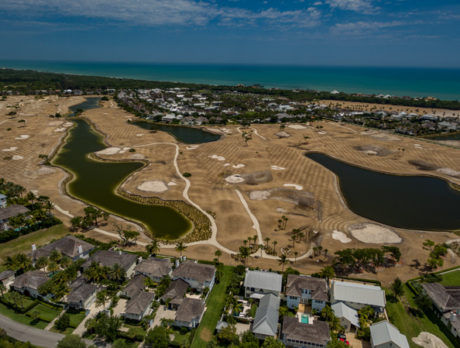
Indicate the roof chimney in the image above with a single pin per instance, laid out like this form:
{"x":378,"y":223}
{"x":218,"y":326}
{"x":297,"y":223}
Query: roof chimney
{"x":34,"y":247}
{"x":80,"y":250}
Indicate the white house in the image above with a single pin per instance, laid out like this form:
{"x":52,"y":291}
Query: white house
{"x":2,"y":200}
{"x":139,"y":306}
{"x":305,"y":290}
{"x":28,"y":283}
{"x":198,"y":276}
{"x":348,"y":316}
{"x":386,"y":335}
{"x":82,"y":294}
{"x":357,"y":295}
{"x":189,"y":313}
{"x":259,"y":283}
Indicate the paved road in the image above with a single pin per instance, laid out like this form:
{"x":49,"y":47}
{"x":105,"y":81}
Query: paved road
{"x":26,"y":333}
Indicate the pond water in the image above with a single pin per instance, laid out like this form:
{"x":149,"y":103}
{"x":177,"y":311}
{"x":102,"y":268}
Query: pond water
{"x":89,"y":103}
{"x":186,"y":135}
{"x":412,"y":202}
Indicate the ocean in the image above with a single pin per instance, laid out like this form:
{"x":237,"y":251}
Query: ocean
{"x":414,"y":82}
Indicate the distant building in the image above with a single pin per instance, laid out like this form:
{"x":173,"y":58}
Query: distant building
{"x":305,"y":290}
{"x":197,"y":275}
{"x":9,"y":212}
{"x":266,"y":320}
{"x":357,"y":296}
{"x":386,"y":335}
{"x":189,"y":313}
{"x":259,"y":283}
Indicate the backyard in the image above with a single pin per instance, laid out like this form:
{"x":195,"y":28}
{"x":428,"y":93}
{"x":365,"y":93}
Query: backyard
{"x":452,"y":278}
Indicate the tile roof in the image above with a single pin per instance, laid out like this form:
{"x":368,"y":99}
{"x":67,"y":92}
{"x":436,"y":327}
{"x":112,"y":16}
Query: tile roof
{"x":317,"y":286}
{"x":155,"y":267}
{"x":139,"y":303}
{"x":357,"y":293}
{"x":6,"y":274}
{"x":445,"y":298}
{"x":263,"y":280}
{"x":11,"y":211}
{"x":31,"y":279}
{"x":384,"y":332}
{"x":135,"y":285}
{"x":317,"y":333}
{"x":341,"y":310}
{"x":80,"y":291}
{"x":189,"y":309}
{"x":266,"y":320}
{"x":110,"y":258}
{"x":176,"y":290}
{"x":196,"y":271}
{"x":68,"y":246}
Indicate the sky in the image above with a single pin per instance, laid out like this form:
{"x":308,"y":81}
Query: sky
{"x":419,"y":33}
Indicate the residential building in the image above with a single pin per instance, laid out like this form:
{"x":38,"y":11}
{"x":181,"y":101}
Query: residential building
{"x":445,"y":298}
{"x":110,"y":258}
{"x":139,"y":306}
{"x":306,"y":290}
{"x":7,"y":278}
{"x":198,"y":276}
{"x":175,"y":293}
{"x":28,"y":283}
{"x":259,"y":283}
{"x":134,"y":286}
{"x":266,"y":320}
{"x":189,"y":313}
{"x":82,"y":294}
{"x":348,"y":316}
{"x":3,"y":199}
{"x":386,"y":335}
{"x":452,"y":321}
{"x":69,"y":246}
{"x":154,"y":268}
{"x":9,"y":212}
{"x":296,"y":334}
{"x":357,"y":295}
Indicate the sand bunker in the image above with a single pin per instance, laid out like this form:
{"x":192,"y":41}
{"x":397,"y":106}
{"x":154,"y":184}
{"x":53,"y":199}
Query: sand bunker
{"x":297,"y":187}
{"x":226,"y":130}
{"x":282,"y":135}
{"x":236,"y":166}
{"x":45,"y":170}
{"x":139,"y":135}
{"x":428,"y":340}
{"x":418,"y":146}
{"x":234,"y":179}
{"x":137,"y":156}
{"x":257,"y":177}
{"x":373,"y":150}
{"x":277,"y":168}
{"x":227,"y":164}
{"x":259,"y":195}
{"x":55,"y":123}
{"x":192,"y":147}
{"x":297,"y":126}
{"x":340,"y":236}
{"x":109,"y":151}
{"x":449,"y":171}
{"x":23,"y":137}
{"x":422,"y":165}
{"x":172,"y":183}
{"x":12,"y":148}
{"x":17,"y":158}
{"x":383,"y":136}
{"x":156,"y":186}
{"x":57,"y":130}
{"x":216,"y":157}
{"x":67,"y":124}
{"x":124,"y":149}
{"x":374,"y":234}
{"x":302,"y":199}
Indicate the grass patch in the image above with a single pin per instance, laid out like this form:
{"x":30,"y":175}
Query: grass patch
{"x":411,"y":325}
{"x":45,"y":311}
{"x":181,"y":340}
{"x":215,"y":305}
{"x":76,"y":318}
{"x":40,"y":237}
{"x":451,"y":278}
{"x":21,"y":318}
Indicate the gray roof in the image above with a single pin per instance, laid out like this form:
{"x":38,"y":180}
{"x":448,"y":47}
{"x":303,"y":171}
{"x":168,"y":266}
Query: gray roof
{"x":341,"y":310}
{"x":155,"y":267}
{"x":196,"y":271}
{"x":68,"y":246}
{"x":357,"y":293}
{"x":134,"y":286}
{"x":110,"y":258}
{"x":317,"y":333}
{"x":190,"y":309}
{"x":266,"y":320}
{"x":445,"y":298}
{"x":2,"y":195}
{"x":317,"y":286}
{"x":6,"y":274}
{"x":385,"y":332}
{"x":12,"y":211}
{"x":80,"y":291}
{"x":175,"y":290}
{"x":31,"y":279}
{"x":139,"y":303}
{"x":263,"y":280}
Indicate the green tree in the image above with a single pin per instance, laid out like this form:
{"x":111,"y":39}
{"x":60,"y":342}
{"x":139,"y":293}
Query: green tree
{"x":71,"y":341}
{"x":154,"y":247}
{"x":397,"y":288}
{"x":157,"y":338}
{"x":63,"y":322}
{"x":101,"y":298}
{"x":271,"y":342}
{"x":218,"y":254}
{"x":227,"y":336}
{"x":180,"y":247}
{"x":283,"y":261}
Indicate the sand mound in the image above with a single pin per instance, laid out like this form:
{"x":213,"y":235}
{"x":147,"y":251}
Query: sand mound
{"x":172,"y":183}
{"x":449,"y":171}
{"x":137,"y":156}
{"x":340,"y":236}
{"x":422,"y":165}
{"x":374,"y":234}
{"x":383,"y":136}
{"x":12,"y":148}
{"x":55,"y":123}
{"x":257,"y":177}
{"x":109,"y":151}
{"x":45,"y":170}
{"x":302,"y":199}
{"x":373,"y":150}
{"x":259,"y":195}
{"x":124,"y":149}
{"x":297,"y":126}
{"x":139,"y":135}
{"x":57,"y":130}
{"x":278,"y":168}
{"x":192,"y":147}
{"x":17,"y":158}
{"x":322,"y":133}
{"x":234,"y":179}
{"x":216,"y":157}
{"x":67,"y":124}
{"x":226,"y":130}
{"x":418,"y":146}
{"x":282,"y":135}
{"x":23,"y":137}
{"x":156,"y":186}
{"x":297,"y":187}
{"x":236,"y":166}
{"x":227,"y":164}
{"x":428,"y":340}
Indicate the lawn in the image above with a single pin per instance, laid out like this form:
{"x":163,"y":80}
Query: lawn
{"x":451,"y":278}
{"x":45,"y":311}
{"x":23,"y":244}
{"x":412,"y":325}
{"x":180,"y":339}
{"x":76,"y":318}
{"x":21,"y":318}
{"x":214,"y":306}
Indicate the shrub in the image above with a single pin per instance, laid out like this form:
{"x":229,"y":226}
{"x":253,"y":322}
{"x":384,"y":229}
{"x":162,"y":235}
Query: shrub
{"x":187,"y":175}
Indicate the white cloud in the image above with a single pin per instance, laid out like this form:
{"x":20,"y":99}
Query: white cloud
{"x":363,"y":6}
{"x":358,"y":28}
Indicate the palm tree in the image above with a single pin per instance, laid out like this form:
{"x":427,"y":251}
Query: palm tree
{"x":218,"y":254}
{"x":101,"y":298}
{"x":154,"y":247}
{"x":274,"y":246}
{"x":117,"y":273}
{"x":2,"y":288}
{"x":266,"y":239}
{"x":295,"y":256}
{"x":42,"y":262}
{"x":283,"y":260}
{"x":180,"y":247}
{"x":261,"y":247}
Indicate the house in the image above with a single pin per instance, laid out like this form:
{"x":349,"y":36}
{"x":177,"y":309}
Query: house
{"x":189,"y":313}
{"x":296,"y":334}
{"x":348,"y":316}
{"x":82,"y":294}
{"x":175,"y":293}
{"x":139,"y":306}
{"x":386,"y":335}
{"x":266,"y":320}
{"x":445,"y":298}
{"x":134,"y":286}
{"x":357,"y":295}
{"x":154,"y":268}
{"x":303,"y":290}
{"x":197,"y":275}
{"x":452,"y":321}
{"x":3,"y":199}
{"x":69,"y":246}
{"x":259,"y":283}
{"x":109,"y":258}
{"x":9,"y":212}
{"x":7,"y":278}
{"x":28,"y":283}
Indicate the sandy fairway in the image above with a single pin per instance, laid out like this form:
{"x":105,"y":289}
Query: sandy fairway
{"x":153,"y":186}
{"x":374,"y":234}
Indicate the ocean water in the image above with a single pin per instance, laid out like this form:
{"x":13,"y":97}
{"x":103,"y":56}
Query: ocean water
{"x":414,"y":82}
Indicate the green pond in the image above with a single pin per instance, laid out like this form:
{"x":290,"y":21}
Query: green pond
{"x":186,"y":135}
{"x":95,"y":183}
{"x":89,"y":103}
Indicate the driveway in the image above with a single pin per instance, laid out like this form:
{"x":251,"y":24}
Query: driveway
{"x":93,"y":310}
{"x":26,"y":333}
{"x":163,"y":313}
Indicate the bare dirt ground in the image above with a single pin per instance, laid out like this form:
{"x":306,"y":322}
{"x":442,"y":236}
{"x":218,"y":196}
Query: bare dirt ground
{"x":324,"y":213}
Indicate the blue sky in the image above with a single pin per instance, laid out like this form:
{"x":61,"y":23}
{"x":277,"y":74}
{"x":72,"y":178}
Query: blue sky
{"x":296,"y":32}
